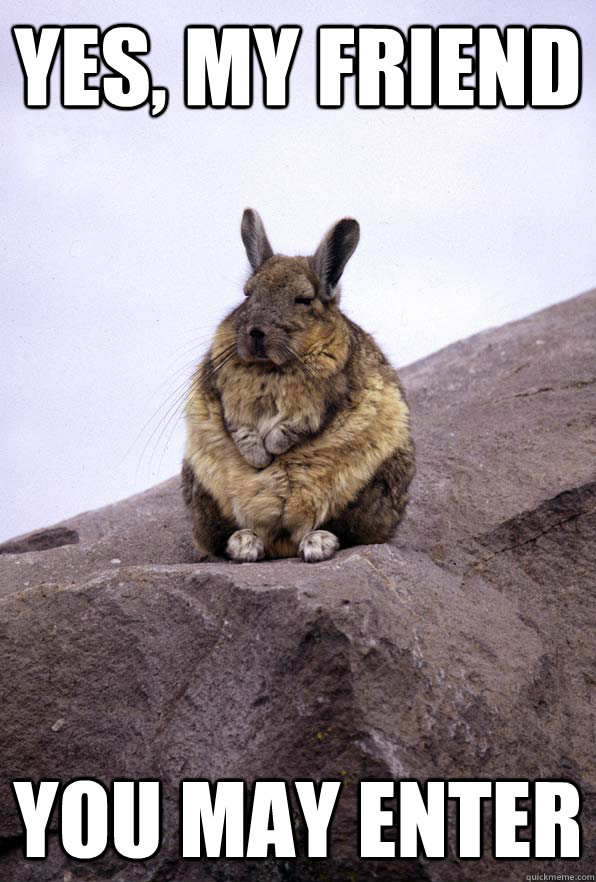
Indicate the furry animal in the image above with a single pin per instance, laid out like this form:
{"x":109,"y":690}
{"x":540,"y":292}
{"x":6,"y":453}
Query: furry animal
{"x":297,"y":427}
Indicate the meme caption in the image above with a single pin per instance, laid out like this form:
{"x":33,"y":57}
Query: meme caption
{"x":225,"y":820}
{"x":518,"y":66}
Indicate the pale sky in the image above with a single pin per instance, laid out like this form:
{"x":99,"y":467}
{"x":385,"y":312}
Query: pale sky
{"x":121,"y":246}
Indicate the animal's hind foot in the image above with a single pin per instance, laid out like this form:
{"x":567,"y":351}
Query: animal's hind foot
{"x":317,"y":546}
{"x":244,"y":546}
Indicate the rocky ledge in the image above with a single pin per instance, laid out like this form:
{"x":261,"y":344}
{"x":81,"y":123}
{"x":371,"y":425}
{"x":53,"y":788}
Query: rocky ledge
{"x":463,"y":649}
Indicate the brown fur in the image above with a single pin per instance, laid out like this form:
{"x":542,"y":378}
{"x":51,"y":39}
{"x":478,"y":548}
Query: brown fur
{"x":323,"y":415}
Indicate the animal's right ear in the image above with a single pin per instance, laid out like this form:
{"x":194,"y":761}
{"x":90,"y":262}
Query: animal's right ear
{"x":333,"y":253}
{"x":258,"y":249}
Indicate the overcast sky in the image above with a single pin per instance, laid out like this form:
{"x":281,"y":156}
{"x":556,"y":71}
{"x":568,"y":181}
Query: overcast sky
{"x":121,"y":247}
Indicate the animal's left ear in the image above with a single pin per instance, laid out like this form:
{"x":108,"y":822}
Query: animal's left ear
{"x":333,"y":253}
{"x":258,"y":249}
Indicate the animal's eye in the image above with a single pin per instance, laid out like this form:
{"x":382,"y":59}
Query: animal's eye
{"x":305,"y":300}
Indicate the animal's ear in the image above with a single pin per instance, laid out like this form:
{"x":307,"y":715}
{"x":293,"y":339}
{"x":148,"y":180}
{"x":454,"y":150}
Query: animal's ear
{"x":333,"y":253}
{"x":258,"y":249}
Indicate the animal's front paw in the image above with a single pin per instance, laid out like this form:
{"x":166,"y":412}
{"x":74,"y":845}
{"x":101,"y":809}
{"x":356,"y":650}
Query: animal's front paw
{"x":256,"y":456}
{"x":250,"y":445}
{"x":278,"y":440}
{"x":318,"y":545}
{"x":245,"y":546}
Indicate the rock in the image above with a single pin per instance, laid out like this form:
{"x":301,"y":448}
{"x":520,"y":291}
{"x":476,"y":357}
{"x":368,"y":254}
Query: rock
{"x":463,"y":649}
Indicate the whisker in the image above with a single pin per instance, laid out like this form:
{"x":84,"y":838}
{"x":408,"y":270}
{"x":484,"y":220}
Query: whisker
{"x":159,"y":427}
{"x":162,"y":405}
{"x":172,"y":420}
{"x":214,"y":365}
{"x":302,"y":367}
{"x":172,"y":411}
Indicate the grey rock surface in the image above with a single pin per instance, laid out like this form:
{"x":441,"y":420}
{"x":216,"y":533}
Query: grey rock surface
{"x":463,"y":649}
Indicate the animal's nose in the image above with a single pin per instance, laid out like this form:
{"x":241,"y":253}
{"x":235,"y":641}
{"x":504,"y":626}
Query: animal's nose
{"x":257,"y":341}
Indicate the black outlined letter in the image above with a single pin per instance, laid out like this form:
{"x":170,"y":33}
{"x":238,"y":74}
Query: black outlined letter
{"x":276,"y":60}
{"x":217,"y":66}
{"x":128,"y":87}
{"x":422,"y":828}
{"x":421,"y":60}
{"x":84,"y":819}
{"x":556,"y":66}
{"x":373,"y":818}
{"x":202,"y":819}
{"x":271,"y":799}
{"x":453,"y":66}
{"x":35,"y":812}
{"x":469,"y":795}
{"x":507,"y":818}
{"x":136,"y":806}
{"x":318,"y":813}
{"x":551,"y":819}
{"x":501,"y":66}
{"x":36,"y":57}
{"x":332,"y":64}
{"x":380,"y":79}
{"x":78,"y":66}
